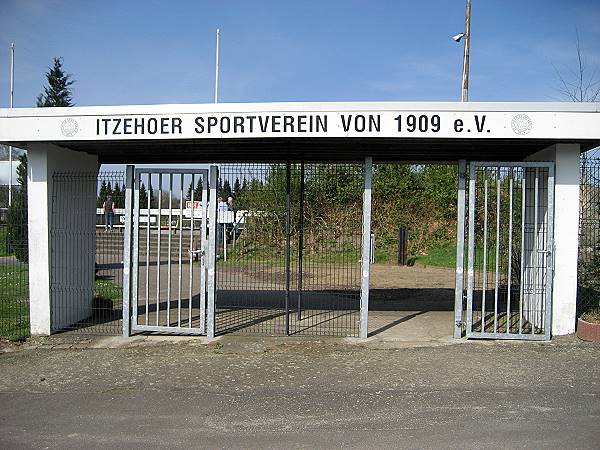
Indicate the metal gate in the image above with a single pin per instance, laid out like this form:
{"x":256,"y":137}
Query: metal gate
{"x":171,"y":273}
{"x":510,"y":247}
{"x":289,"y":258}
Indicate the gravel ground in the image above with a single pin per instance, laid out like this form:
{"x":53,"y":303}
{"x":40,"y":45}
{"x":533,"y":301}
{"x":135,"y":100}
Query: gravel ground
{"x":297,"y":393}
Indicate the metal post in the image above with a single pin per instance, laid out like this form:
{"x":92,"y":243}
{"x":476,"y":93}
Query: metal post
{"x":127,"y":251}
{"x":136,"y":253}
{"x":460,"y":249}
{"x":217,"y":69}
{"x":212,"y":243}
{"x":549,"y":255}
{"x":366,"y":247}
{"x":12,"y":91}
{"x":300,"y":239}
{"x":465,"y":75}
{"x":288,"y":219}
{"x":471,"y":249}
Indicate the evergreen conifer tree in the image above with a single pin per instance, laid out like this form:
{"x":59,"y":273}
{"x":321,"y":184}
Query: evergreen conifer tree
{"x":58,"y":90}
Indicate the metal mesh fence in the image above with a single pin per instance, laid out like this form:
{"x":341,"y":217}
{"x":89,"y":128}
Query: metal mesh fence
{"x":14,"y":268}
{"x":87,"y":251}
{"x":588,"y":292}
{"x":290,"y":261}
{"x":511,"y":218}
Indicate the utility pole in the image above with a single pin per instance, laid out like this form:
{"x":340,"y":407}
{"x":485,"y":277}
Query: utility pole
{"x":467,"y":38}
{"x":12,"y":92}
{"x":217,"y":70}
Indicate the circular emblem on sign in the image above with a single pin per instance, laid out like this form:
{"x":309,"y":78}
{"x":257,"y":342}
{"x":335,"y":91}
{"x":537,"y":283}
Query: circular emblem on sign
{"x":521,"y":124}
{"x":69,"y":127}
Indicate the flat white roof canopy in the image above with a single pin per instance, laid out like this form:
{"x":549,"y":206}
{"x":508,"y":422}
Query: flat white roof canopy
{"x":398,"y":131}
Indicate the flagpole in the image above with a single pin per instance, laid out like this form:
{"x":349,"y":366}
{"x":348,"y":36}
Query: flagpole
{"x":217,"y":70}
{"x":12,"y":92}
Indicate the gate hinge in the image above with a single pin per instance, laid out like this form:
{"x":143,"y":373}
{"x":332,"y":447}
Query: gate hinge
{"x":459,"y":323}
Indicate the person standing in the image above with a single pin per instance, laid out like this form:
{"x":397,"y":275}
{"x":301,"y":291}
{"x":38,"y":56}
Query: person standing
{"x":109,"y":212}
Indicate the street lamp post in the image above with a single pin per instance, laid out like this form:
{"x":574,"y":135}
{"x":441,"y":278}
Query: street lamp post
{"x":467,"y":45}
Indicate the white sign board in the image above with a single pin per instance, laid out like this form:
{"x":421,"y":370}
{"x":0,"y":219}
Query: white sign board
{"x":302,"y":120}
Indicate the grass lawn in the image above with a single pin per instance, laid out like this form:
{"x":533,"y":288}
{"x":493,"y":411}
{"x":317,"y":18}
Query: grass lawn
{"x":439,"y":256}
{"x":4,"y":241}
{"x":14,"y":301}
{"x":108,"y":290}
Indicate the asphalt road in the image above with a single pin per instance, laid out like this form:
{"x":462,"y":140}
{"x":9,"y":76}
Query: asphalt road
{"x":244,"y":393}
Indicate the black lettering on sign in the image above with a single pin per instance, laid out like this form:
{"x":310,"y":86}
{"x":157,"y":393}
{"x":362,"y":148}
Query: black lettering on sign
{"x":301,"y":124}
{"x":138,"y":125}
{"x":225,"y":124}
{"x":360,"y":123}
{"x":275,"y":124}
{"x":164,"y":125}
{"x":199,"y":124}
{"x":288,"y":124}
{"x":116,"y":128}
{"x":251,"y":119}
{"x":212,"y":121}
{"x":127,"y":126}
{"x":176,"y":125}
{"x":458,"y":125}
{"x":435,"y":123}
{"x":479,"y":125}
{"x":263,"y":122}
{"x":321,"y":123}
{"x":346,"y":122}
{"x":238,"y":123}
{"x":152,"y":125}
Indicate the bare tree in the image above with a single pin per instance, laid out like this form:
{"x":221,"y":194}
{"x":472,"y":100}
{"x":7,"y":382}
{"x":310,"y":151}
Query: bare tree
{"x":580,"y":84}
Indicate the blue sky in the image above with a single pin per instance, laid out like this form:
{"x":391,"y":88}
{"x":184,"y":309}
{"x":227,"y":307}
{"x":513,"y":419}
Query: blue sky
{"x":143,"y":52}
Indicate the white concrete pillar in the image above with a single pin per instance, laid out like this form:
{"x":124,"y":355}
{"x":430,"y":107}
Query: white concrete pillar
{"x":566,"y":234}
{"x":43,"y":160}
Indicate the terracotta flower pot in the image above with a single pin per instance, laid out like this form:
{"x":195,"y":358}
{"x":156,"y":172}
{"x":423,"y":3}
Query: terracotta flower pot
{"x":588,"y":331}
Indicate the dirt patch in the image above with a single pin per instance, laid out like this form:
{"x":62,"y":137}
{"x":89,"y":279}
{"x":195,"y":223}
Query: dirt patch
{"x":387,"y":276}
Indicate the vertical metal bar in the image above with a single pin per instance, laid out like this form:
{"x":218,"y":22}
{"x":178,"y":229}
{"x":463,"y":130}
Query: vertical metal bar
{"x":169,"y":249}
{"x":460,"y":249}
{"x":288,"y":220}
{"x":485,"y":229}
{"x":191,"y":279}
{"x":202,"y":247}
{"x":179,"y":281}
{"x":523,"y":220}
{"x":510,"y":235}
{"x":127,"y":251}
{"x":549,"y":256}
{"x":366,"y":245}
{"x":148,"y":247}
{"x":497,"y":250}
{"x":300,"y":240}
{"x":532,"y":315}
{"x":136,"y":246}
{"x":158,"y":256}
{"x":212,"y":242}
{"x":471,"y":249}
{"x":224,"y":240}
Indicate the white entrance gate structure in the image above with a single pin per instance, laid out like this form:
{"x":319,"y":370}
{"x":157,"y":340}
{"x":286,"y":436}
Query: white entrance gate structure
{"x":81,"y":138}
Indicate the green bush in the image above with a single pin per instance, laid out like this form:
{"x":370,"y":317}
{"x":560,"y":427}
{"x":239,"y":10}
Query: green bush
{"x":16,"y":216}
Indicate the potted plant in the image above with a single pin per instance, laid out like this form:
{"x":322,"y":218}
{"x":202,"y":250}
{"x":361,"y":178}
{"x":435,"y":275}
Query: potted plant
{"x":588,"y":326}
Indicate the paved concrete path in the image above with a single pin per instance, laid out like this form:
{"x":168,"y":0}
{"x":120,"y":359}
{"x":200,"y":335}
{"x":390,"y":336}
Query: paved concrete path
{"x":295,"y":393}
